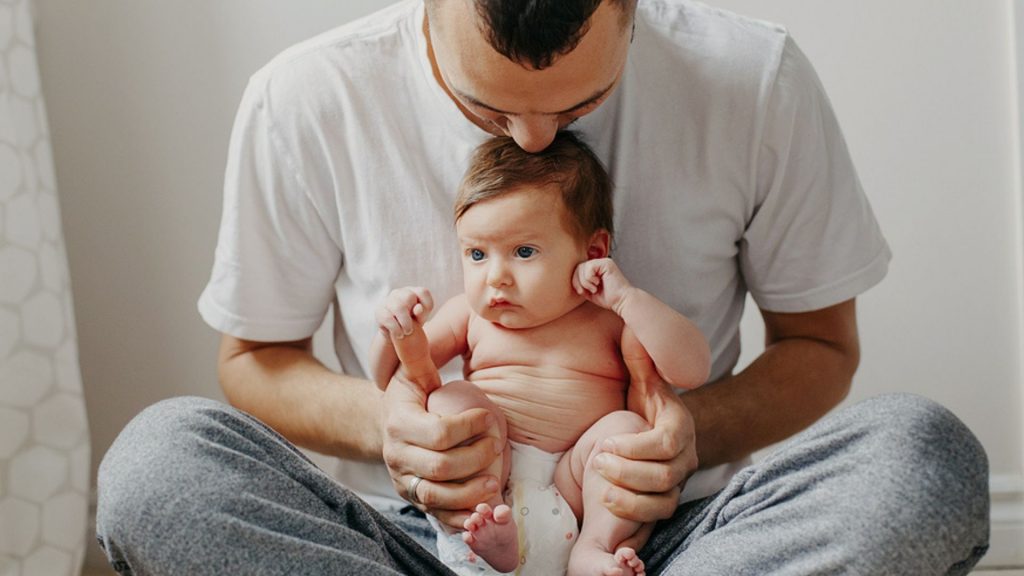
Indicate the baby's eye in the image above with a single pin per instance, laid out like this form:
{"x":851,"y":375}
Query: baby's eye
{"x":476,"y":255}
{"x":525,"y":251}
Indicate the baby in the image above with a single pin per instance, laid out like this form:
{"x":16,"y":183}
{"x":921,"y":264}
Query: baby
{"x":543,"y":326}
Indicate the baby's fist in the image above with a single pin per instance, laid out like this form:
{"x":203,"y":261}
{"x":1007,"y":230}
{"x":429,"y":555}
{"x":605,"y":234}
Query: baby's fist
{"x":600,"y":281}
{"x":403,"y":309}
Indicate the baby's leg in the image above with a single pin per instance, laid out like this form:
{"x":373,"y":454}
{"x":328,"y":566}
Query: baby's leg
{"x":490,"y":531}
{"x":600,"y":548}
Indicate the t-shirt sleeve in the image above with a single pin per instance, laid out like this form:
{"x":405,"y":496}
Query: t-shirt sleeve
{"x":276,"y":260}
{"x":813,"y":240}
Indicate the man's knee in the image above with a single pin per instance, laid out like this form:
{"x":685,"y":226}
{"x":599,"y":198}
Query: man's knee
{"x":924,"y":434}
{"x":930,"y":468}
{"x":152,"y":462}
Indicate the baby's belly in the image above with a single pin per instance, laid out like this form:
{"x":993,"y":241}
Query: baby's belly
{"x":549,"y":408}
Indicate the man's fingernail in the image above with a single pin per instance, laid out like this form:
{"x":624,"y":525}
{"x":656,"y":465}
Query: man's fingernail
{"x":489,"y":420}
{"x":608,"y":445}
{"x":600,"y":461}
{"x":499,"y":446}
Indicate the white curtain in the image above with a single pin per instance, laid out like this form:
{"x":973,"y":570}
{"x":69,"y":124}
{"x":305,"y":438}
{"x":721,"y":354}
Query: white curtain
{"x":44,"y":440}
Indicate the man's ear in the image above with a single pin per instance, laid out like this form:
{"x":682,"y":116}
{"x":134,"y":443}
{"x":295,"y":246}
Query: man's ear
{"x":600,"y":245}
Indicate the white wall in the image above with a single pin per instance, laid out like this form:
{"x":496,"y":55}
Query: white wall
{"x":142,"y":93}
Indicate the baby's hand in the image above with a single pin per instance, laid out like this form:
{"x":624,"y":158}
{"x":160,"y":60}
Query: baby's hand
{"x":402,"y":310}
{"x":601,"y":282}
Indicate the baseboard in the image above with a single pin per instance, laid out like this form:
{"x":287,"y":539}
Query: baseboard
{"x":1007,"y":540}
{"x":1006,"y":543}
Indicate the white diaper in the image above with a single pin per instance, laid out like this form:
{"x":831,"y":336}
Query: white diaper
{"x":546,"y":524}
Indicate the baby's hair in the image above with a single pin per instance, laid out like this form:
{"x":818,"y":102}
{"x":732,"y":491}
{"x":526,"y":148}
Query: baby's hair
{"x":500,"y":166}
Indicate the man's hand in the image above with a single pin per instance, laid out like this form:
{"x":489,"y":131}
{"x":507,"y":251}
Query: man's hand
{"x":648,"y":469}
{"x":443,"y":450}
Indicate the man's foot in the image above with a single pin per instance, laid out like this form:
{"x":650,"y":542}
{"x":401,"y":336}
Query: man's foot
{"x":588,"y":560}
{"x":492,"y":535}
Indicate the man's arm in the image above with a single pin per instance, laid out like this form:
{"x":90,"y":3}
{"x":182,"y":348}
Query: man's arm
{"x":805,"y":370}
{"x":282,"y":384}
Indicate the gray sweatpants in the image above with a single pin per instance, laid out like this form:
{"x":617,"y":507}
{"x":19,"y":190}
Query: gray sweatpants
{"x":893,"y":485}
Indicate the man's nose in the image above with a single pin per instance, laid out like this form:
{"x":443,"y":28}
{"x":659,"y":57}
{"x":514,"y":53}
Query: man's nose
{"x":533,"y":133}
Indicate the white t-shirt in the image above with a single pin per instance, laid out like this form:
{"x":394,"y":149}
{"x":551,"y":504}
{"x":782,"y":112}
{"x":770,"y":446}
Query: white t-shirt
{"x":731,"y":175}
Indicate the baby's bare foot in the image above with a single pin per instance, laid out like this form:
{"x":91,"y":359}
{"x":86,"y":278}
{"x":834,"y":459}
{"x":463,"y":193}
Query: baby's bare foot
{"x":587,"y":560}
{"x":492,"y":535}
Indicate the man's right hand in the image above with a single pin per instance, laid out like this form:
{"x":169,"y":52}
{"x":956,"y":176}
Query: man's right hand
{"x":443,"y":450}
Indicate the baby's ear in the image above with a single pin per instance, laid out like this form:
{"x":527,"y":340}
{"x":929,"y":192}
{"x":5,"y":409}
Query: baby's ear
{"x":599,"y":245}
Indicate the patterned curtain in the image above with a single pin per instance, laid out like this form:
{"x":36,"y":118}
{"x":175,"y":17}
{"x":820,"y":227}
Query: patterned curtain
{"x":44,"y":440}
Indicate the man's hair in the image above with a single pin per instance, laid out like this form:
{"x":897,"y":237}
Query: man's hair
{"x":537,"y":32}
{"x":499,"y":166}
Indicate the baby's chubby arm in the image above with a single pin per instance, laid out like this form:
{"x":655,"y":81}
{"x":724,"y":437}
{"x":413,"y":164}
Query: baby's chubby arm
{"x":424,"y":345}
{"x":401,"y":314}
{"x":677,"y":347}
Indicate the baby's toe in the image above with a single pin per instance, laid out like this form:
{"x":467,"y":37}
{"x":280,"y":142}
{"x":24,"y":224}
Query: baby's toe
{"x":474,"y":522}
{"x":502,"y":514}
{"x":484,"y":510}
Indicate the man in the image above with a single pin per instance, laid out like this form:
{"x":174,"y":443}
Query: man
{"x":731,"y":174}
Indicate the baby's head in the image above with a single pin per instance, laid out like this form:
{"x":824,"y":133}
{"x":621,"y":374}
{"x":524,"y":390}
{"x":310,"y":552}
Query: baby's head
{"x":499,"y":167}
{"x":525,"y":221}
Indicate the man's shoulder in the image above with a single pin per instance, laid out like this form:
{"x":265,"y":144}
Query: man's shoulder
{"x":688,"y":16}
{"x":712,"y":35}
{"x":705,"y":62}
{"x":355,"y":52}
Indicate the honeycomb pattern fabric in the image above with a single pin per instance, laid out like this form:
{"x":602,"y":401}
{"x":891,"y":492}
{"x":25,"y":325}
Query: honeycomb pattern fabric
{"x":44,"y":440}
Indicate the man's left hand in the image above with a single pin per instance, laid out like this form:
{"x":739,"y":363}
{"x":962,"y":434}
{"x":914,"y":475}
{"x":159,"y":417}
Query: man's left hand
{"x":648,"y":469}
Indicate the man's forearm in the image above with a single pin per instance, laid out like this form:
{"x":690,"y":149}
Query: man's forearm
{"x":289,"y":390}
{"x":792,"y":384}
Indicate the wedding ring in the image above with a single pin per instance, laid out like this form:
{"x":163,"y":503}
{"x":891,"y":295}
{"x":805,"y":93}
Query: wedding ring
{"x":412,"y":490}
